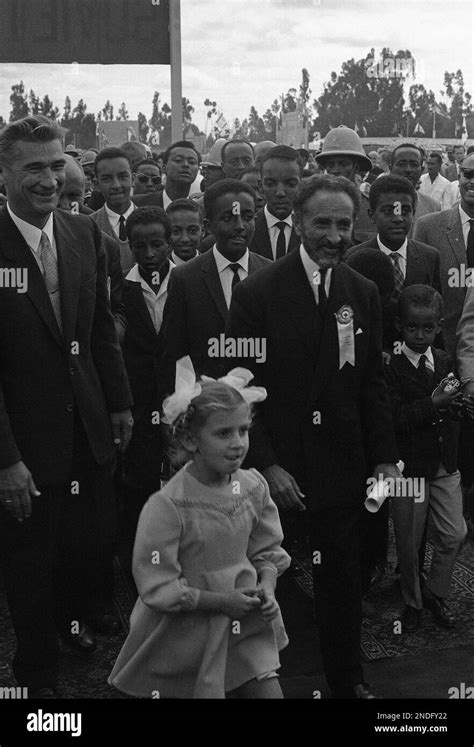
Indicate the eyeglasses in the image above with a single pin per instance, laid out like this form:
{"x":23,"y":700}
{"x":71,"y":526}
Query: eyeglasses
{"x":467,"y":173}
{"x":144,"y":179}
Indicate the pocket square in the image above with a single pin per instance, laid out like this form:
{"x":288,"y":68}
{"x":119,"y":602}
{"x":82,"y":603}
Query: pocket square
{"x":359,"y":331}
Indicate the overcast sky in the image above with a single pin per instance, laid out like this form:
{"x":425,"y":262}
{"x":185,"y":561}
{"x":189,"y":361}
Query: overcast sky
{"x":248,"y":52}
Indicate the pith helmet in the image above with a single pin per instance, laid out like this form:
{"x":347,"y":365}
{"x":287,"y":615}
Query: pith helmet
{"x":342,"y":141}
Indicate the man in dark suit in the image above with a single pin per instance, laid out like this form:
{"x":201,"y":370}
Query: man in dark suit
{"x":326,"y":421}
{"x":281,"y":172}
{"x":451,"y":171}
{"x":392,"y":201}
{"x":64,"y":402}
{"x":200,"y":291}
{"x":407,"y":160}
{"x":181,"y":166}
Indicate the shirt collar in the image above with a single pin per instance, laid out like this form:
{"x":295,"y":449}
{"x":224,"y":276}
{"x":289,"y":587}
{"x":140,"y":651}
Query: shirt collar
{"x":135,"y":277}
{"x":32,"y":234}
{"x":115,"y":217}
{"x":310,"y":266}
{"x":402,"y":251}
{"x":272,"y":220}
{"x":465,"y":218}
{"x":222,"y":263}
{"x":414,"y":358}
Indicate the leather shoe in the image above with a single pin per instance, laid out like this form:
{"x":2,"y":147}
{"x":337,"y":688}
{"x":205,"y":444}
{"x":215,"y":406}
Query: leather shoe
{"x":361,"y":691}
{"x":410,"y":619}
{"x":440,"y":609}
{"x":43,"y":693}
{"x":83,"y":641}
{"x":108,"y":623}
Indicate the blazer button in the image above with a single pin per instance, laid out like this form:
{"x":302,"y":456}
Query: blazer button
{"x":69,"y":408}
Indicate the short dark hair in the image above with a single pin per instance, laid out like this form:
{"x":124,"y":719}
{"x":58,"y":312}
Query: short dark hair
{"x":35,"y":129}
{"x":435,"y":154}
{"x":144,"y":216}
{"x":283,"y":153}
{"x":180,"y":144}
{"x":183,"y":203}
{"x":146,"y":162}
{"x":420,"y":150}
{"x":108,"y":154}
{"x":420,"y":296}
{"x":225,"y":187}
{"x":459,"y":145}
{"x":325,"y":183}
{"x":470,"y":150}
{"x":374,"y":265}
{"x":391,"y":183}
{"x":235,"y":142}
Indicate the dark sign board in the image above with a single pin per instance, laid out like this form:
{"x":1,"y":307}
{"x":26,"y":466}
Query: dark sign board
{"x":107,"y":32}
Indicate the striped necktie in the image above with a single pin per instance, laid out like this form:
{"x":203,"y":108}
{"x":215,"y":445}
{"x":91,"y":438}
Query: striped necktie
{"x":399,"y":279}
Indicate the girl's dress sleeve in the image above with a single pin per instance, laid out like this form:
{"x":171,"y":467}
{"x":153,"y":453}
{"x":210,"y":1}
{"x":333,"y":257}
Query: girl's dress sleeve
{"x":264,"y":549}
{"x":156,"y":568}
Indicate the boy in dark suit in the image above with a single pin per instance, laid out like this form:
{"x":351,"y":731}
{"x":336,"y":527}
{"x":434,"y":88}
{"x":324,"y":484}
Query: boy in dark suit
{"x":392,"y":201}
{"x":145,"y":293}
{"x":427,"y":439}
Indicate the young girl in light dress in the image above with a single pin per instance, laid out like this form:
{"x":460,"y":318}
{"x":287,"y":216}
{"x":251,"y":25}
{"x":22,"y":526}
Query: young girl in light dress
{"x":206,"y":558}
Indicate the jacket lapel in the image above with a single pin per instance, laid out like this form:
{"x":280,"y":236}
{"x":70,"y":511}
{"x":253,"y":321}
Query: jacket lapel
{"x":413,"y":264}
{"x":17,"y":251}
{"x":455,"y":236}
{"x":213,"y":283}
{"x":262,"y":237}
{"x":299,"y":302}
{"x":69,"y":268}
{"x":137,"y":300}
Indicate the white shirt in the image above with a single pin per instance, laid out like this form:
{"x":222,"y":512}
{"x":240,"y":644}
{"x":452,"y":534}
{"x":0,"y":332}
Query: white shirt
{"x":32,"y":235}
{"x":155,"y":302}
{"x":192,"y":191}
{"x":178,"y":261}
{"x":114,"y":218}
{"x":226,"y":275}
{"x":402,"y":252}
{"x":414,"y":358}
{"x":310,"y":268}
{"x":274,"y":231}
{"x":466,"y":226}
{"x":439,"y":190}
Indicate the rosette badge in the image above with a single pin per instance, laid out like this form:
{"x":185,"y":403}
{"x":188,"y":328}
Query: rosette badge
{"x":345,"y":315}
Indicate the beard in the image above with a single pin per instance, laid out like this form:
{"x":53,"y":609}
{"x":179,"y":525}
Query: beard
{"x":325,"y":254}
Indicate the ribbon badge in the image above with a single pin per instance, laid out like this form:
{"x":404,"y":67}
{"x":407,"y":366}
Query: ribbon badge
{"x":345,"y":332}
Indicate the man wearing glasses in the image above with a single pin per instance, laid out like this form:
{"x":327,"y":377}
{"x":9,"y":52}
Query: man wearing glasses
{"x":146,"y":177}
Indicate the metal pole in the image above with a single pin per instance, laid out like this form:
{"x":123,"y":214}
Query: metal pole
{"x":176,"y":72}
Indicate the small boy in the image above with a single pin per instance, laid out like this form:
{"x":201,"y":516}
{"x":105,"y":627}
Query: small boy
{"x":144,"y":295}
{"x":392,"y":201}
{"x":424,"y":415}
{"x":187,"y":229}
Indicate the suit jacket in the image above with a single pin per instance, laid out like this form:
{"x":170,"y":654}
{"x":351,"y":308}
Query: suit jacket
{"x":115,"y":283}
{"x":465,"y":339}
{"x":126,"y":256}
{"x":424,"y":437}
{"x":423,"y":264}
{"x":325,"y":425}
{"x":261,"y":243}
{"x":444,"y":231}
{"x":195,"y":312}
{"x":425,"y":206}
{"x":155,"y":199}
{"x":451,"y":172}
{"x":44,"y":378}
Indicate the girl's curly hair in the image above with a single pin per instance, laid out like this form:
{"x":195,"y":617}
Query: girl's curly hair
{"x":215,"y":396}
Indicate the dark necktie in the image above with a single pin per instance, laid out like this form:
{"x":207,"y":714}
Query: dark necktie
{"x":399,"y":279}
{"x":122,"y":231}
{"x":424,"y":374}
{"x":281,"y":241}
{"x":322,"y":296}
{"x":235,"y":269}
{"x":470,"y":245}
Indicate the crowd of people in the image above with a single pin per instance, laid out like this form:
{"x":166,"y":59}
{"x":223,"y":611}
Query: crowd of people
{"x":211,"y":360}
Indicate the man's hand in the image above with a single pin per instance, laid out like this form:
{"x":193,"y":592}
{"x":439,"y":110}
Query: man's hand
{"x":382,"y":471}
{"x":16,"y":486}
{"x":283,"y":488}
{"x":122,"y":425}
{"x":444,"y":400}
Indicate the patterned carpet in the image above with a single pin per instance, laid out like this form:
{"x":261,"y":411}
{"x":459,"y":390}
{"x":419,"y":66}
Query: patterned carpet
{"x":378,"y":637}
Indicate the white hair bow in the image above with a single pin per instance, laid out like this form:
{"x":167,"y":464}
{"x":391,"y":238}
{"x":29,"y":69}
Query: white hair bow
{"x":186,"y":388}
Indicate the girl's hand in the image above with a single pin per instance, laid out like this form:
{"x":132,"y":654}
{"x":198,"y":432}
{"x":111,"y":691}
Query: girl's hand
{"x":269,"y":605}
{"x":236,"y":604}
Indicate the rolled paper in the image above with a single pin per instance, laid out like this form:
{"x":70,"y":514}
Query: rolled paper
{"x":378,"y":493}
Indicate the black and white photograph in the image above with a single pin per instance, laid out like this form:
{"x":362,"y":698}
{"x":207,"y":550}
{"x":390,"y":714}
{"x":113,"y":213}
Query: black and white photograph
{"x":236,"y":367}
